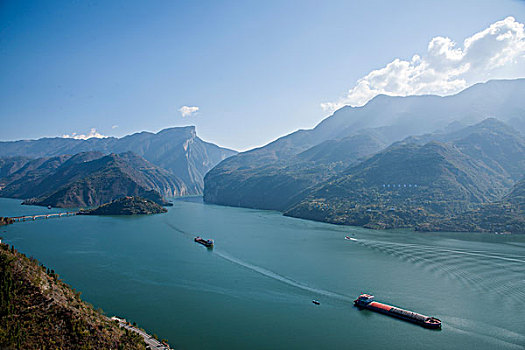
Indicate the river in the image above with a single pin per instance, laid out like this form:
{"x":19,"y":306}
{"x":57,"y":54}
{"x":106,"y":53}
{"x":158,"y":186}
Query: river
{"x":254,"y":290}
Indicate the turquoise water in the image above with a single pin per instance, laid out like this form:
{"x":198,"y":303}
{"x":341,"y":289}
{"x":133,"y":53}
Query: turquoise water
{"x":254,"y":290}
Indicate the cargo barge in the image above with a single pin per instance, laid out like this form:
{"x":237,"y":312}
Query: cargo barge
{"x":366,"y":301}
{"x":208,"y":243}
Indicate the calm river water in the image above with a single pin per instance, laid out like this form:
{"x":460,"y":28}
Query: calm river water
{"x":254,"y":290}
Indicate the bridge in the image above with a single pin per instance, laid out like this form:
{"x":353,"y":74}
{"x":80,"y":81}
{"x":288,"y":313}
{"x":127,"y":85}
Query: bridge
{"x":42,"y":216}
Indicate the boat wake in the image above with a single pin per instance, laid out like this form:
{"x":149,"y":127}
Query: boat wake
{"x":186,"y":233}
{"x":498,"y":336}
{"x":281,"y":278}
{"x":266,"y":272}
{"x":478,"y":270}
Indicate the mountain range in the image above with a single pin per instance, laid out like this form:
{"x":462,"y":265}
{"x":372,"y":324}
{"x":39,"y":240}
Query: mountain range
{"x":395,"y":162}
{"x":177,"y":150}
{"x":65,"y":172}
{"x":89,"y":179}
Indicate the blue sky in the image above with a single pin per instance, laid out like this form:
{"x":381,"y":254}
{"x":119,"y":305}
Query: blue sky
{"x":255,"y":70}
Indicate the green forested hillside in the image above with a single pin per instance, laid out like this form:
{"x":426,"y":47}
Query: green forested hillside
{"x":402,"y":186}
{"x":127,"y":206}
{"x":505,"y":216}
{"x":90,"y":179}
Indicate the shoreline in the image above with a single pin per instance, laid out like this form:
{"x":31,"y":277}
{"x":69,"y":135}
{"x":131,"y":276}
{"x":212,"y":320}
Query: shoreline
{"x":151,"y":342}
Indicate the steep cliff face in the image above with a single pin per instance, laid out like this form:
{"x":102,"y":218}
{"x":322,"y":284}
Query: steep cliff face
{"x":178,"y":150}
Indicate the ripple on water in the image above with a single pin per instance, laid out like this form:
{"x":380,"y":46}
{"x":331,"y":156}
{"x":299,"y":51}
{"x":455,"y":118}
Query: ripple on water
{"x":477,"y":270}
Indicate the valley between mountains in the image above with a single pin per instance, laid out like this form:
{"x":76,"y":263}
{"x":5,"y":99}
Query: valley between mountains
{"x":454,"y":163}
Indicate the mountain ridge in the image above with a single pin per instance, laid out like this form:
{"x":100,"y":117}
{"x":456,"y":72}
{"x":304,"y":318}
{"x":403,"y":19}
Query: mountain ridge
{"x":89,"y":179}
{"x":251,"y":179}
{"x":178,"y":150}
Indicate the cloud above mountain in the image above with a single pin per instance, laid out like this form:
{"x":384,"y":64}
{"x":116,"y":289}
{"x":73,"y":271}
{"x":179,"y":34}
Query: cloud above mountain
{"x":188,"y":111}
{"x":498,"y":52}
{"x":93,"y":133}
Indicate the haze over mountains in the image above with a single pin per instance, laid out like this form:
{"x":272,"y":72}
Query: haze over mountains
{"x":395,"y":162}
{"x":471,"y":151}
{"x":67,"y":172}
{"x":178,"y":150}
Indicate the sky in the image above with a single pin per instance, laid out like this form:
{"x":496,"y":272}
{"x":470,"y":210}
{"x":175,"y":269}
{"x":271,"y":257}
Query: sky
{"x":243,"y":72}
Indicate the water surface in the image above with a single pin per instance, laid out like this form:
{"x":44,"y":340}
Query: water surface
{"x":254,"y":290}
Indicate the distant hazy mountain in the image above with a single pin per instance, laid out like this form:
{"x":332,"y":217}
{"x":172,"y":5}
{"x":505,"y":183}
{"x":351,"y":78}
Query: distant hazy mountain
{"x":177,"y":150}
{"x":89,"y":179}
{"x":11,"y":164}
{"x":274,"y":185}
{"x":271,"y":176}
{"x":495,"y":143}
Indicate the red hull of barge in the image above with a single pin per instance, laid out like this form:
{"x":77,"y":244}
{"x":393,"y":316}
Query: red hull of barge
{"x":365,"y":301}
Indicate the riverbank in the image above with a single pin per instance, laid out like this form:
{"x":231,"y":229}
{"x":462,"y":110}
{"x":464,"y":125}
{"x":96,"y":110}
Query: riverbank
{"x":150,"y":340}
{"x":38,"y":310}
{"x":255,"y":289}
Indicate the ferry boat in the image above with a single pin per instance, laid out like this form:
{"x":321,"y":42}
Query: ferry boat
{"x":205,"y":242}
{"x":366,"y":301}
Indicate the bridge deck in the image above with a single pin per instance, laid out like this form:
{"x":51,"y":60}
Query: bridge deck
{"x":43,"y":216}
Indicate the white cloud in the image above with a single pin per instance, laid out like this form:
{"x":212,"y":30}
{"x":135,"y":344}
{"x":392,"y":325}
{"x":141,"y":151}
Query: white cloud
{"x":114,"y":126}
{"x":497,"y":52}
{"x":92,"y":133}
{"x":187,"y":111}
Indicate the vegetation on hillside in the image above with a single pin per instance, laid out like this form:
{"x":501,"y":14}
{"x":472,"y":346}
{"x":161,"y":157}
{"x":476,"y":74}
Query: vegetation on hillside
{"x":403,"y":186}
{"x":505,"y":216}
{"x":39,"y":311}
{"x":127,"y":206}
{"x":179,"y":151}
{"x":89,"y":179}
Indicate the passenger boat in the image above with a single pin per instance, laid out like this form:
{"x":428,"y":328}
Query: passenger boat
{"x":205,"y":242}
{"x":366,"y":301}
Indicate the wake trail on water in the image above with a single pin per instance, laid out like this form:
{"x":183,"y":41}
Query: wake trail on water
{"x":477,"y":270}
{"x":280,"y":278}
{"x":266,"y":272}
{"x":186,"y":233}
{"x":494,"y":334}
{"x":455,"y":251}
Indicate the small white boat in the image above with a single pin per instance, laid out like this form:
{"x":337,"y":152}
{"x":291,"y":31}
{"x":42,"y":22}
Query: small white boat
{"x":348,"y":238}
